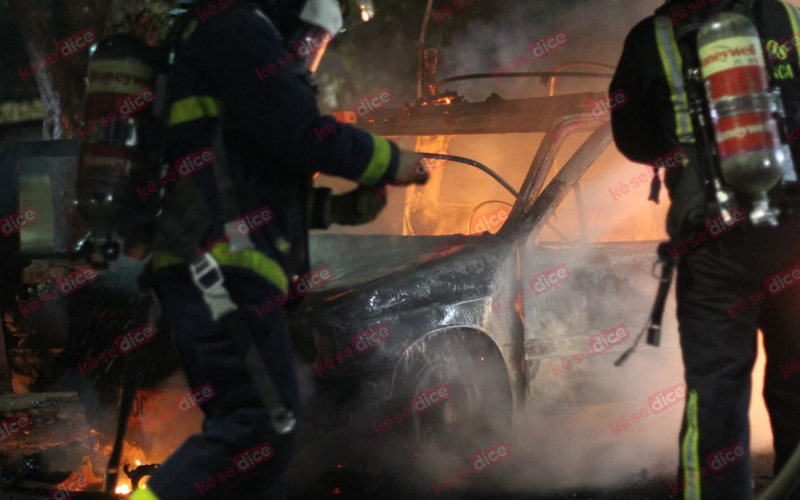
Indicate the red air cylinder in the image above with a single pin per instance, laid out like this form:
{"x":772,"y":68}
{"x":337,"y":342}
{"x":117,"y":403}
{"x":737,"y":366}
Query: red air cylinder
{"x":752,"y":157}
{"x":114,"y":155}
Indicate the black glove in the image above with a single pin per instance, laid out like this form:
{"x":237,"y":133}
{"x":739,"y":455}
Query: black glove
{"x":356,"y":207}
{"x":353,"y":208}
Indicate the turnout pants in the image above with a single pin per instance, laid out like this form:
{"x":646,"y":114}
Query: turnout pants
{"x":726,"y":291}
{"x":235,"y":421}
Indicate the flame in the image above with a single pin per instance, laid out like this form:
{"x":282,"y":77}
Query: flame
{"x":761,"y":432}
{"x":440,"y":100}
{"x":138,"y":463}
{"x":123,"y":489}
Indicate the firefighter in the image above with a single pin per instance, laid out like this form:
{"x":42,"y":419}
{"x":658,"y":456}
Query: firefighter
{"x":718,"y":341}
{"x":247,"y":70}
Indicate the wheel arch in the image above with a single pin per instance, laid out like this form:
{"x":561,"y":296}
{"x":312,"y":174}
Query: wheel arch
{"x":473,"y":337}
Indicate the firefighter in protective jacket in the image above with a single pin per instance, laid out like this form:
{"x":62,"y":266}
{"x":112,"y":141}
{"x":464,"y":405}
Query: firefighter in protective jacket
{"x":721,"y":291}
{"x":246,"y":70}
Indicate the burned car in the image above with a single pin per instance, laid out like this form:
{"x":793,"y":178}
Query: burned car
{"x":504,"y":311}
{"x":476,"y":296}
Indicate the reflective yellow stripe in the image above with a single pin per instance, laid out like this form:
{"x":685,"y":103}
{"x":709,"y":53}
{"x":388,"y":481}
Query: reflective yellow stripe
{"x":192,"y":108}
{"x":253,"y":260}
{"x":145,"y":494}
{"x":162,"y":259}
{"x":381,"y":158}
{"x":794,"y":18}
{"x":673,"y":63}
{"x":691,"y":462}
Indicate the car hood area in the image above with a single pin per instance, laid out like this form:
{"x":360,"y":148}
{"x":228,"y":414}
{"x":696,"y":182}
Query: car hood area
{"x":401,"y":282}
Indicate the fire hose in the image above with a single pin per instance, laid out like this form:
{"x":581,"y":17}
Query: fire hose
{"x":479,"y":166}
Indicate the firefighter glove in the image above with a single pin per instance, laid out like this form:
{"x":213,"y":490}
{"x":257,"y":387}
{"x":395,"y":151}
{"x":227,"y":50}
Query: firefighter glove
{"x":356,"y":207}
{"x":411,"y":169}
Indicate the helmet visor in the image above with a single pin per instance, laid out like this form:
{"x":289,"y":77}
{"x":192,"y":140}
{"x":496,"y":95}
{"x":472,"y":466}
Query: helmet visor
{"x":325,"y":14}
{"x":312,"y":47}
{"x":330,"y":15}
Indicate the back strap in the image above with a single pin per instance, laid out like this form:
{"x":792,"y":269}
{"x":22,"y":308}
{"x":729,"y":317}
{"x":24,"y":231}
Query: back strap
{"x":673,"y":64}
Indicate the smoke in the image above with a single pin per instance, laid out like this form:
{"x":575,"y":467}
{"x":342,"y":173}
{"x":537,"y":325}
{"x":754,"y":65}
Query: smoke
{"x":596,"y":31}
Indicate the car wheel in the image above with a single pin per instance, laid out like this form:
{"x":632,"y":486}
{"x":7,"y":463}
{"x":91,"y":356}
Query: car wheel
{"x":479,"y":405}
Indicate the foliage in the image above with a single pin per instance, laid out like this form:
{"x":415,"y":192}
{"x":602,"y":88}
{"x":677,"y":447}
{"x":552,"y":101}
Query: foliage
{"x":148,"y":19}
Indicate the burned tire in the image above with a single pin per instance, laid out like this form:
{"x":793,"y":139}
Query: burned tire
{"x":478,"y":410}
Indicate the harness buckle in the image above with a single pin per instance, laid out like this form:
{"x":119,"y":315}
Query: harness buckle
{"x":207,"y":274}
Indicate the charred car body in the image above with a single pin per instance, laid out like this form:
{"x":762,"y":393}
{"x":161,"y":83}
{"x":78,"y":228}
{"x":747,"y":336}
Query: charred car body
{"x":503,"y":319}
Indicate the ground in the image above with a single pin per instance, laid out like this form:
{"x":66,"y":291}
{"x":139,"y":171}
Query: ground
{"x":357,"y":484}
